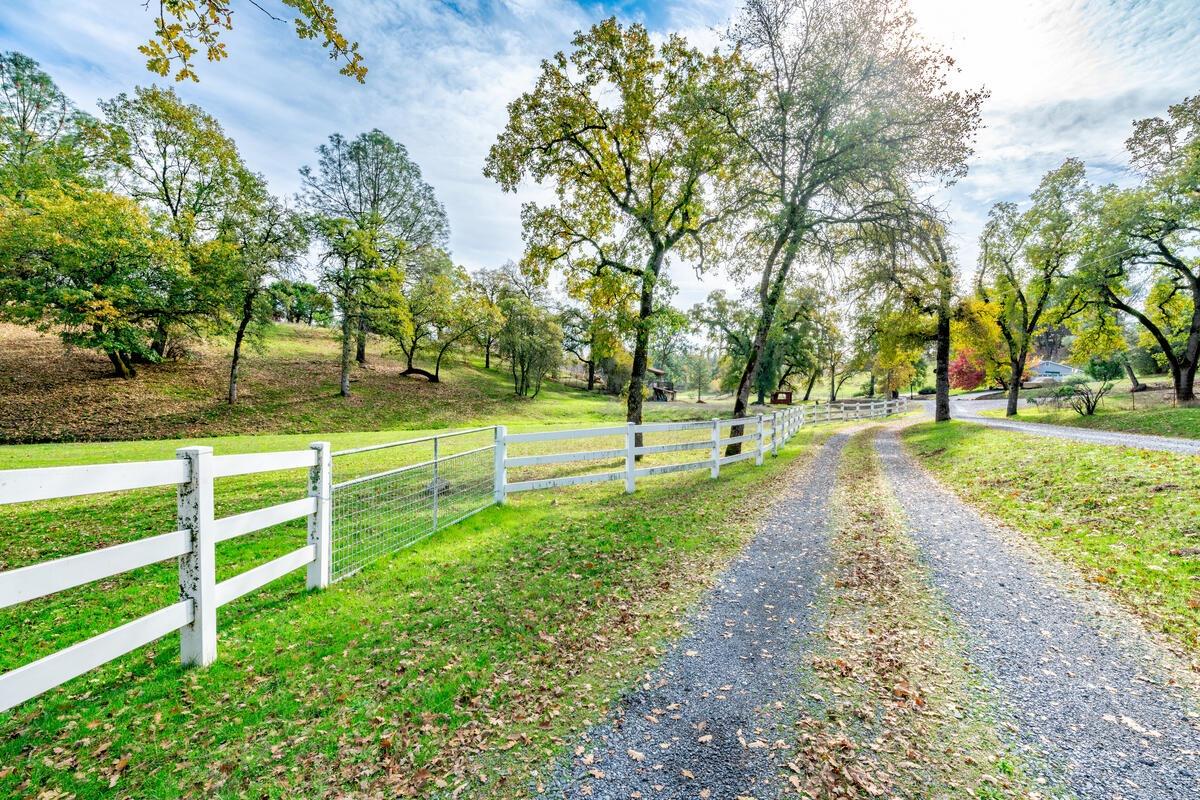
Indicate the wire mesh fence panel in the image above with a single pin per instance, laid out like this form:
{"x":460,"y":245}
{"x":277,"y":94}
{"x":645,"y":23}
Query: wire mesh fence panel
{"x":466,"y":484}
{"x":385,"y":511}
{"x":380,"y":514}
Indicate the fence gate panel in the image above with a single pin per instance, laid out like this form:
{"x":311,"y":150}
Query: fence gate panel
{"x":429,"y":483}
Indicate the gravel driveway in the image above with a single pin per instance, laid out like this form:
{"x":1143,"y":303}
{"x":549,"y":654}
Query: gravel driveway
{"x":707,"y":716}
{"x":1085,"y":689}
{"x":968,"y":410}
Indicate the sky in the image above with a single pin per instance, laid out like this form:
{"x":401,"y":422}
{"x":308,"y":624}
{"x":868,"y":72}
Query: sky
{"x":1066,"y":78}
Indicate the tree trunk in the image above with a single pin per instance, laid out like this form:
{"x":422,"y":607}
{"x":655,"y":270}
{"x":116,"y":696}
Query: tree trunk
{"x":941,"y":369}
{"x":833,"y":384}
{"x":786,"y":245}
{"x":591,"y":365}
{"x":1134,"y":384}
{"x":1185,"y":391}
{"x":637,"y":378}
{"x":161,"y":340}
{"x":641,"y":347}
{"x":424,"y":373}
{"x":487,"y":353}
{"x":1017,"y":367}
{"x":871,"y":386}
{"x":239,"y":337}
{"x":750,"y":372}
{"x":437,"y":365}
{"x":360,"y":353}
{"x":812,"y":381}
{"x":121,"y":365}
{"x":1185,"y":388}
{"x":347,"y":337}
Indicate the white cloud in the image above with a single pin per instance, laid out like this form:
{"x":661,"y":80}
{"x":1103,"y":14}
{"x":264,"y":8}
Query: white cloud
{"x":1067,"y":78}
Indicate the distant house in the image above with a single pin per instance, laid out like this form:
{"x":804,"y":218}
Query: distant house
{"x":1052,"y":370}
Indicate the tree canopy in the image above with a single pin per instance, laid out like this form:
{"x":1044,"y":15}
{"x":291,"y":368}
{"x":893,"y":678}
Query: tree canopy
{"x":624,"y":131}
{"x":1139,"y":250}
{"x":183,"y":28}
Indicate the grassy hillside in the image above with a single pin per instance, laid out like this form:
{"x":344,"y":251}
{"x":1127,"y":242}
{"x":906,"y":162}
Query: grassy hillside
{"x":51,"y":394}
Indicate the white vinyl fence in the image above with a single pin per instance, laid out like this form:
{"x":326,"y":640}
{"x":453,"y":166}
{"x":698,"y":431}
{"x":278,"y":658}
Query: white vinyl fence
{"x":350,"y":523}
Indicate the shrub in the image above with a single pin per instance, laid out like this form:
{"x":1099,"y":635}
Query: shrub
{"x":1103,"y":369}
{"x":1082,"y":396}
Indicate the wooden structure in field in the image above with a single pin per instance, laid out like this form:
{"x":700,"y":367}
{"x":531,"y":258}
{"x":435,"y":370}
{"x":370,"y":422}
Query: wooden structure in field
{"x":661,"y":389}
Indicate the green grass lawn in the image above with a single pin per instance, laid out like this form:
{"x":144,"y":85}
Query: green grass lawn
{"x":461,"y":661}
{"x":1151,"y":412}
{"x":1128,"y":519}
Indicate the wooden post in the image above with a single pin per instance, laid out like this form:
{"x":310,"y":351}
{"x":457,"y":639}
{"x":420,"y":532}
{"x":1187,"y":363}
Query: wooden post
{"x":499,"y":471}
{"x":715,"y":470}
{"x":320,"y":522}
{"x":758,"y":455}
{"x":630,"y":455}
{"x":774,"y":433}
{"x":198,"y":568}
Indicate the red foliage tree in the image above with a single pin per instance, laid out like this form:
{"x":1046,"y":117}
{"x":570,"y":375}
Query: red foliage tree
{"x":966,"y":370}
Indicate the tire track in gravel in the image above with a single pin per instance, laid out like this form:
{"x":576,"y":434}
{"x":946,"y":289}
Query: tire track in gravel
{"x":725,"y":692}
{"x":1087,"y":700}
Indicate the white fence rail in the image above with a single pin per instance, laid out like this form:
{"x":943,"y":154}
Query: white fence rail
{"x":193,"y":544}
{"x":349,"y":523}
{"x":759,"y":435}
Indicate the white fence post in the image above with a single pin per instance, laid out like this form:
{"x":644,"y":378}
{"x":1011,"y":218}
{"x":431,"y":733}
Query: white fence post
{"x":630,"y":461}
{"x":715,"y":471}
{"x":774,"y":433}
{"x":198,"y":568}
{"x":320,"y":522}
{"x":499,"y":471}
{"x":758,"y":455}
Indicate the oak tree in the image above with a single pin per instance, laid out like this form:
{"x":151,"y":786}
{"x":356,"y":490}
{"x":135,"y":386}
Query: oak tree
{"x":1140,"y":250}
{"x":848,"y":101}
{"x":623,"y":130}
{"x":1025,"y":261}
